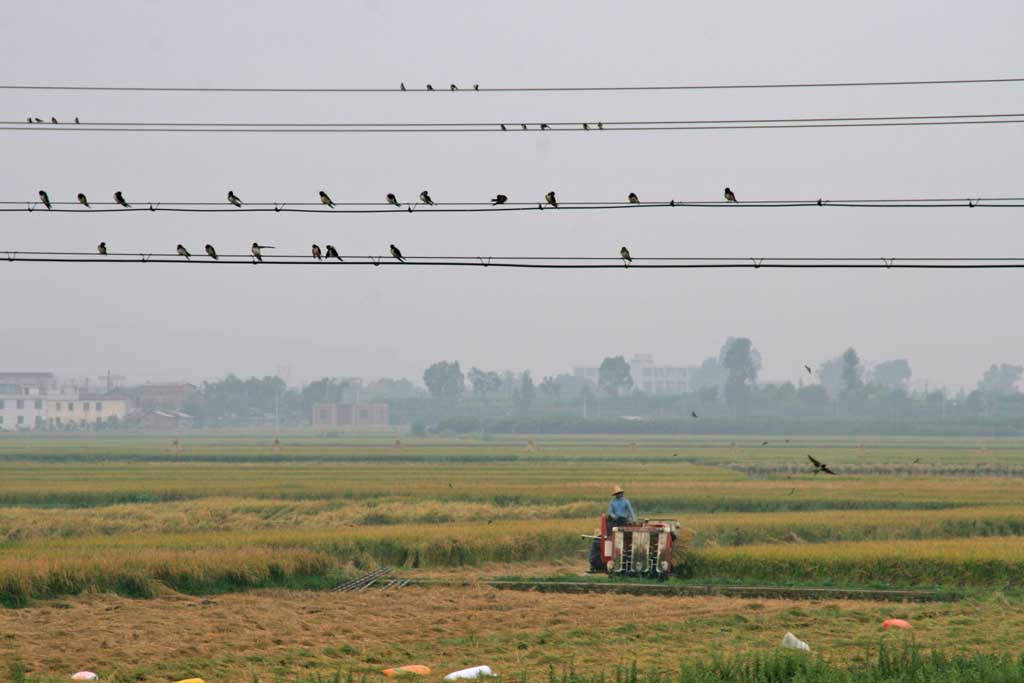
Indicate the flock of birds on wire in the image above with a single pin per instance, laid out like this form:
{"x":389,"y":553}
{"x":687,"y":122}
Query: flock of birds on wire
{"x":331,"y":252}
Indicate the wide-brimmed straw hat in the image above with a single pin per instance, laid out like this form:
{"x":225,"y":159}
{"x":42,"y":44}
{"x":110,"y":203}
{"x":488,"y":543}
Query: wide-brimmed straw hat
{"x":616,"y":490}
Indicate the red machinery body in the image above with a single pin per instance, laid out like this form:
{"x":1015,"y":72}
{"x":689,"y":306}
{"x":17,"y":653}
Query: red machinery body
{"x":643,"y":549}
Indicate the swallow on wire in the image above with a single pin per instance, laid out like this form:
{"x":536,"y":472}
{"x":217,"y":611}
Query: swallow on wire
{"x":257,"y":251}
{"x":182,"y":251}
{"x":693,"y":414}
{"x":454,"y":87}
{"x":76,"y":120}
{"x":38,"y":120}
{"x":211,"y":252}
{"x":402,"y":86}
{"x":317,"y":254}
{"x":499,"y":199}
{"x":819,"y":466}
{"x":545,"y":126}
{"x":502,"y":126}
{"x":53,"y":119}
{"x":333,"y":253}
{"x":29,"y":119}
{"x":45,"y":199}
{"x":550,"y":199}
{"x":324,"y":199}
{"x":633,"y":199}
{"x":233,"y":199}
{"x":626,"y":258}
{"x":119,"y":198}
{"x":808,"y":369}
{"x":429,"y":87}
{"x":83,"y":200}
{"x":397,"y":254}
{"x":393,"y":200}
{"x":101,"y":248}
{"x":586,"y":127}
{"x":600,"y":126}
{"x":523,"y":125}
{"x":729,"y":196}
{"x":476,"y":86}
{"x":425,"y":198}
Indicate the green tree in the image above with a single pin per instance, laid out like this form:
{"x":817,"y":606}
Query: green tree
{"x":852,"y":371}
{"x":614,"y":376}
{"x":483,"y":382}
{"x":445,"y":380}
{"x":742,"y":363}
{"x":1001,"y":380}
{"x":550,"y":387}
{"x":527,"y":391}
{"x":893,"y":374}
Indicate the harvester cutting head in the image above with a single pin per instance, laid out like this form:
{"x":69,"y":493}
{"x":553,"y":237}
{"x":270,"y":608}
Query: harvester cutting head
{"x":642,"y":549}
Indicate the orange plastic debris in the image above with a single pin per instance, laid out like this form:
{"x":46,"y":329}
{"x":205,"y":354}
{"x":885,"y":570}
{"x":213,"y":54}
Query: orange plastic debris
{"x":895,"y":623}
{"x":417,"y":669}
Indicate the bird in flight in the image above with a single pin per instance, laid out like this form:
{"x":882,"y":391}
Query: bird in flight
{"x":764,"y":443}
{"x":332,"y":252}
{"x":182,"y":251}
{"x":119,"y":198}
{"x":83,"y":200}
{"x":916,"y":461}
{"x":317,"y":254}
{"x":324,"y":199}
{"x":257,"y":249}
{"x":633,"y":199}
{"x":397,"y":254}
{"x":693,"y":414}
{"x":626,"y":258}
{"x":729,"y":196}
{"x":499,"y":199}
{"x":101,"y":248}
{"x":808,"y":369}
{"x":425,"y":198}
{"x":550,"y":199}
{"x":45,"y":199}
{"x":819,"y":466}
{"x":211,"y":252}
{"x":233,"y":199}
{"x":393,"y":200}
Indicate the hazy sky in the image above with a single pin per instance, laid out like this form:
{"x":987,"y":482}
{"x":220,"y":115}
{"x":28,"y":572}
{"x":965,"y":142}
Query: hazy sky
{"x":167,"y":322}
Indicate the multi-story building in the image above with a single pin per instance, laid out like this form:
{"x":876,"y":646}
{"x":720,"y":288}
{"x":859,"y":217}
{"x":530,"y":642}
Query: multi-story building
{"x":350,"y":415}
{"x":21,"y":410}
{"x":83,"y":410}
{"x":648,"y":376}
{"x":34,"y":400}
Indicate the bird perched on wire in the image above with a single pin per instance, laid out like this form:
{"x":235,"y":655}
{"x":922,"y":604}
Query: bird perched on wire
{"x":523,"y":125}
{"x":324,"y":199}
{"x":429,"y":87}
{"x":38,"y":120}
{"x":586,"y":127}
{"x":393,"y":200}
{"x":600,"y":126}
{"x":425,"y":198}
{"x":397,"y":254}
{"x":633,"y":199}
{"x":101,"y":248}
{"x":550,"y":199}
{"x":502,"y":126}
{"x":257,"y":249}
{"x":453,"y":87}
{"x":333,"y":253}
{"x":693,"y":414}
{"x":626,"y":258}
{"x":401,"y":86}
{"x":119,"y":198}
{"x":211,"y":252}
{"x":182,"y":251}
{"x":53,"y":119}
{"x":45,"y":199}
{"x":729,"y":196}
{"x":499,"y":199}
{"x":29,"y":119}
{"x":476,"y":86}
{"x":83,"y":200}
{"x":233,"y":199}
{"x":545,"y":126}
{"x":819,"y":466}
{"x":76,"y":120}
{"x":317,"y":254}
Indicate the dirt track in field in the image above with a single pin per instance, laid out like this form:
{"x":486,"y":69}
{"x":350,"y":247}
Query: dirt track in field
{"x":230,"y":637}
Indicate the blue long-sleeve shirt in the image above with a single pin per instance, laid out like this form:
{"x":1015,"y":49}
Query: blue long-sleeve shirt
{"x":620,"y":507}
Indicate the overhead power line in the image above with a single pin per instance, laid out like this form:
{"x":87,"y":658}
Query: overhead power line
{"x":512,"y":126}
{"x":476,"y":88}
{"x":534,"y":262}
{"x":342,"y":208}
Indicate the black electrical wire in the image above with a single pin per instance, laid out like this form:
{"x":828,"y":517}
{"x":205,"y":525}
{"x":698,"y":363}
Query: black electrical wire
{"x":488,"y":207}
{"x":473,"y":89}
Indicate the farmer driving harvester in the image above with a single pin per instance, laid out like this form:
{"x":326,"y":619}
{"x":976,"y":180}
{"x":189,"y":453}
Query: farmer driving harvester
{"x":620,"y":511}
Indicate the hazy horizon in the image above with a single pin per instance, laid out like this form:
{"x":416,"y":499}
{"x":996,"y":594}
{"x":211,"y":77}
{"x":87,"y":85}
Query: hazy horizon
{"x":190,"y":323}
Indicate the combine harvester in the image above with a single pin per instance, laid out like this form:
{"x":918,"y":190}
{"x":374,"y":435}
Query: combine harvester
{"x":647,"y":549}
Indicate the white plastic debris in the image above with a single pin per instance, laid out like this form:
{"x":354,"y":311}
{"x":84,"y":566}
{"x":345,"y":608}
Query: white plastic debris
{"x":85,"y":676}
{"x":473,"y":672}
{"x":791,"y":641}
